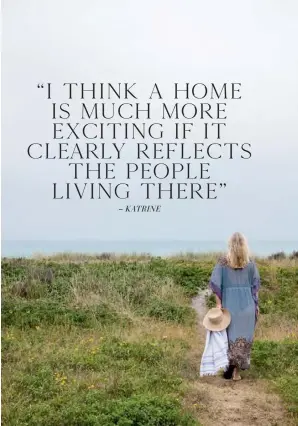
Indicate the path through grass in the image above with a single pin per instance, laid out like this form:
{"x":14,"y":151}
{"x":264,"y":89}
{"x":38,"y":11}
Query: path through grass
{"x":88,"y":341}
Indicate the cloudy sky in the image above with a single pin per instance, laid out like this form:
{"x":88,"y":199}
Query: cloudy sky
{"x":166,"y":41}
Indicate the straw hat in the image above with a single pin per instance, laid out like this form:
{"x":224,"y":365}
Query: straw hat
{"x":217,"y":319}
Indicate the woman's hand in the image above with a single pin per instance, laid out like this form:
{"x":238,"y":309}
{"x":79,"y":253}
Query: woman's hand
{"x":218,"y":302}
{"x":257,"y":311}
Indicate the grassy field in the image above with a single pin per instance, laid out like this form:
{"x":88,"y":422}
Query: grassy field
{"x":107,"y":340}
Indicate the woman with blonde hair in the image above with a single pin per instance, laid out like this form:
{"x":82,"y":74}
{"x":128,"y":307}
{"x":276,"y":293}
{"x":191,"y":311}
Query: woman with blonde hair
{"x":235,"y":281}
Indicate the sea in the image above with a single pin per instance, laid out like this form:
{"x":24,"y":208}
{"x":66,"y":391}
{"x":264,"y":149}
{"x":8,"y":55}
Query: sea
{"x":152,"y":247}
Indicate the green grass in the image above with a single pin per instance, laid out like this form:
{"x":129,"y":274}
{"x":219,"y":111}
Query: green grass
{"x":109,"y":341}
{"x":278,"y":361}
{"x":72,"y":352}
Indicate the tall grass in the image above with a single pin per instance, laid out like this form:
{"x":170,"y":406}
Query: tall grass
{"x":95,"y":344}
{"x":113,"y":340}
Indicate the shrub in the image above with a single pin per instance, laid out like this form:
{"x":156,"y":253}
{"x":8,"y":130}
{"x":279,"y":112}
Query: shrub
{"x":149,"y":411}
{"x":277,"y":256}
{"x":294,"y":255}
{"x":273,"y":359}
{"x":278,"y":361}
{"x":91,"y":410}
{"x":288,"y":387}
{"x":33,"y":313}
{"x":29,"y":289}
{"x":168,"y":311}
{"x":210,"y":300}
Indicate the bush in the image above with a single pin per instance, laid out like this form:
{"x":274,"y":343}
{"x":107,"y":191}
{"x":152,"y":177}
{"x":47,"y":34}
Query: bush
{"x":277,"y":256}
{"x":210,"y":300}
{"x":91,"y":410}
{"x":278,"y":361}
{"x":191,"y":277}
{"x":149,"y":411}
{"x":168,"y":311}
{"x":273,"y":359}
{"x":29,"y":289}
{"x":278,"y":292}
{"x":294,"y":255}
{"x":34,"y":313}
{"x":288,"y":387}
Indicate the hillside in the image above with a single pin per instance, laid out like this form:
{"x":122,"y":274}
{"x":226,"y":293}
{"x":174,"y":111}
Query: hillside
{"x":106,"y":340}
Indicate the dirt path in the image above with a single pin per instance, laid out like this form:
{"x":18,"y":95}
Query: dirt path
{"x":224,"y":402}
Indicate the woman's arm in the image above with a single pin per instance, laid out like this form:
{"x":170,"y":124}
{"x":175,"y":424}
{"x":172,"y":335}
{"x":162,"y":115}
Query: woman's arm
{"x":218,"y":302}
{"x":257,"y":305}
{"x":215,"y":284}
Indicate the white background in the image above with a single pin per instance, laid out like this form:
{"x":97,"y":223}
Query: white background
{"x":168,"y":41}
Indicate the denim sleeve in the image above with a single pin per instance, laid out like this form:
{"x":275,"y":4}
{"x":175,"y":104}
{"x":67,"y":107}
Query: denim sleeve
{"x":255,"y":284}
{"x":215,"y":282}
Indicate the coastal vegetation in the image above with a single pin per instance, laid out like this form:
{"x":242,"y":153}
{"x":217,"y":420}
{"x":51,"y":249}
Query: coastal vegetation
{"x":113,"y":340}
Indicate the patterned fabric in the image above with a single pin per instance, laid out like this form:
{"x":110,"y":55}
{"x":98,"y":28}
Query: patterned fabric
{"x":255,"y":289}
{"x":215,"y":355}
{"x":238,"y":292}
{"x":239,"y":353}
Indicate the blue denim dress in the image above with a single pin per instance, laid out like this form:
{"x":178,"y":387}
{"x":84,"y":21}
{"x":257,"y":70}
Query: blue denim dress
{"x":237,"y":289}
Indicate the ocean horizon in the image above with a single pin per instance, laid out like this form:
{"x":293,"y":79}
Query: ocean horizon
{"x":29,"y":248}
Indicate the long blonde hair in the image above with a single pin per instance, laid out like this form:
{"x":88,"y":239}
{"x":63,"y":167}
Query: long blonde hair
{"x":238,"y":251}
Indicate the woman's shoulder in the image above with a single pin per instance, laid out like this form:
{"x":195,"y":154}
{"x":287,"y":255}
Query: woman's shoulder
{"x":224,"y":261}
{"x":252,"y":263}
